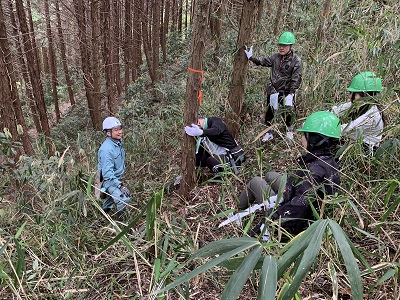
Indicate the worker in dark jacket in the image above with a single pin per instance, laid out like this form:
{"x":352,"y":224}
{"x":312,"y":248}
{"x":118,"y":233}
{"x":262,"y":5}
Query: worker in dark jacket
{"x":317,"y":175}
{"x":285,"y":79}
{"x":216,"y":148}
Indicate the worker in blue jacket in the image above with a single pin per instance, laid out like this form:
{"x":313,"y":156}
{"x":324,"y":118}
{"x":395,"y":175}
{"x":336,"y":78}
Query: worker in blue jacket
{"x":111,"y":165}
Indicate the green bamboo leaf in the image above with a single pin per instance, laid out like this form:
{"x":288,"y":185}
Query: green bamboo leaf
{"x":157,"y":267}
{"x":389,"y":274}
{"x":350,"y":262}
{"x":388,"y":212}
{"x":297,"y":246}
{"x":393,"y":185}
{"x":240,"y":276}
{"x":125,"y":230}
{"x":205,"y":267}
{"x":307,"y":260}
{"x":223,"y":246}
{"x":20,"y":230}
{"x":89,"y":186}
{"x":268,"y":279}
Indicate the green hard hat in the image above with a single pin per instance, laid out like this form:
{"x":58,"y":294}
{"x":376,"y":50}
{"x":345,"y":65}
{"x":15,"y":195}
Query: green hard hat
{"x":286,"y":38}
{"x":365,"y":82}
{"x":322,"y":122}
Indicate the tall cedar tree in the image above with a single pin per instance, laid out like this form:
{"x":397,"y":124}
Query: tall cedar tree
{"x":24,"y":69}
{"x":33,"y":65}
{"x":92,"y":100}
{"x":107,"y":55}
{"x":10,"y":106}
{"x":116,"y":44}
{"x":240,"y":65}
{"x":52,"y":60}
{"x":193,"y":86}
{"x":127,"y":50}
{"x":64,"y":61}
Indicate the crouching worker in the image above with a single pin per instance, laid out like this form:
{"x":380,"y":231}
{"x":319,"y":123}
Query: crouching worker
{"x":317,"y":174}
{"x":111,"y":165}
{"x":216,"y":148}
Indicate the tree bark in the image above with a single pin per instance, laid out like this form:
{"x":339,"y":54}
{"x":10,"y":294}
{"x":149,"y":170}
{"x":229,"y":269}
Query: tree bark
{"x":63,"y":51}
{"x":33,"y":67}
{"x":127,"y":43}
{"x":107,"y":55}
{"x":240,"y":66}
{"x":10,"y":107}
{"x":52,"y":61}
{"x":24,"y":70}
{"x":115,"y":46}
{"x":278,"y":16}
{"x":156,"y":39}
{"x":193,"y":86}
{"x":92,"y":100}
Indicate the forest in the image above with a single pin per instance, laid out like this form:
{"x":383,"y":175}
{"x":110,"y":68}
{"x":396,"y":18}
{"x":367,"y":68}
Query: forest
{"x":65,"y":65}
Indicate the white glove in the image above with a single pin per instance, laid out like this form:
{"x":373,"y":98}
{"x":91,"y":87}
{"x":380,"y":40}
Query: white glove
{"x":273,"y":101}
{"x":289,"y":100}
{"x":249,"y":53}
{"x":124,"y":190}
{"x":193,"y":130}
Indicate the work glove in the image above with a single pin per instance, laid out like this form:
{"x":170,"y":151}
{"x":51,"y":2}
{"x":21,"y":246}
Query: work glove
{"x":193,"y":130}
{"x":289,"y":100}
{"x":124,"y":190}
{"x":249,"y":53}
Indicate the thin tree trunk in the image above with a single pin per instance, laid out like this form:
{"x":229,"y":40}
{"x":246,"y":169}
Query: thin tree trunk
{"x":321,"y":27}
{"x":33,"y":67}
{"x":156,"y":38}
{"x":180,"y":9}
{"x":163,"y":38}
{"x":146,"y":40}
{"x":127,"y":43}
{"x":193,"y":87}
{"x":278,"y":16}
{"x":11,"y":111}
{"x":52,"y":61}
{"x":115,"y":46}
{"x":240,"y":66}
{"x":95,"y":59}
{"x":24,"y":70}
{"x":44,"y":62}
{"x":93,"y":103}
{"x":63,"y":51}
{"x":107,"y":53}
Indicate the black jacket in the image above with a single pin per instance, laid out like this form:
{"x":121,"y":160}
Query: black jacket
{"x":218,"y":133}
{"x":318,"y":175}
{"x":286,"y":72}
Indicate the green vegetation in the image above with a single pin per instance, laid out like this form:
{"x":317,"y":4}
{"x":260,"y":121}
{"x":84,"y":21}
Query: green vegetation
{"x":57,"y":243}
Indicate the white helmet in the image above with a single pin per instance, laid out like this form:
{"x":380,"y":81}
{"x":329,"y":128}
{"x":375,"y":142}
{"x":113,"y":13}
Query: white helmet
{"x":110,"y":123}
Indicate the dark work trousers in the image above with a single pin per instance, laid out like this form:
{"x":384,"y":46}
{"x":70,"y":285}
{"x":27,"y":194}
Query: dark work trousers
{"x":288,"y":112}
{"x":259,"y":189}
{"x":214,"y":163}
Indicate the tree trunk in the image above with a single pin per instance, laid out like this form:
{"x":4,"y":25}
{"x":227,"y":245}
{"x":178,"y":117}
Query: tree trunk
{"x":163,"y":37}
{"x":33,"y":67}
{"x":216,"y":27}
{"x":137,"y":38}
{"x":278,"y":16}
{"x":127,"y":43}
{"x":63,"y":51}
{"x":321,"y":27}
{"x":52,"y":61}
{"x":146,"y":40}
{"x":10,"y":106}
{"x":107,"y":55}
{"x":115,"y":46}
{"x":180,"y":8}
{"x":240,"y":66}
{"x":95,"y":59}
{"x":24,"y":70}
{"x":156,"y":38}
{"x":93,"y":103}
{"x":193,"y":87}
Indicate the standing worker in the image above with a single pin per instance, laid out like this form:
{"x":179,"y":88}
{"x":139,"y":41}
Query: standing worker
{"x":111,"y":165}
{"x":285,"y":79}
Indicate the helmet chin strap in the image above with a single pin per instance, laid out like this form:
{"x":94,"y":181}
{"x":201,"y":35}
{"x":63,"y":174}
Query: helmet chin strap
{"x":325,"y":139}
